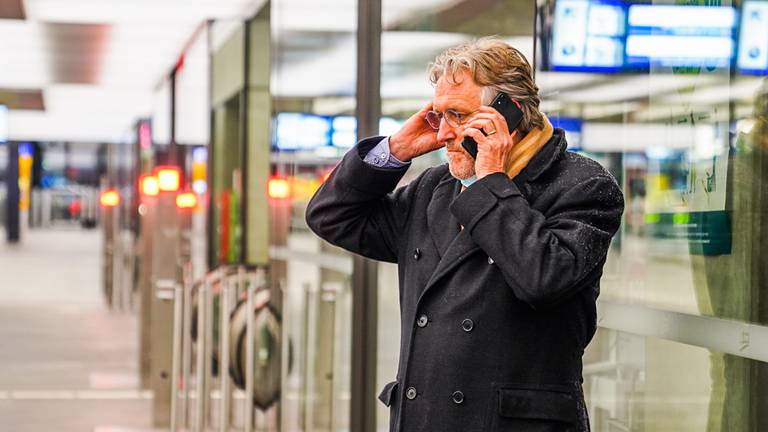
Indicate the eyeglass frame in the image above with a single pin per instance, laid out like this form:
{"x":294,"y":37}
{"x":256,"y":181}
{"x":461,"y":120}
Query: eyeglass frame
{"x":441,"y":115}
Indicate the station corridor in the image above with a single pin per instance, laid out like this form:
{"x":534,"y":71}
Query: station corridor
{"x":67,"y":363}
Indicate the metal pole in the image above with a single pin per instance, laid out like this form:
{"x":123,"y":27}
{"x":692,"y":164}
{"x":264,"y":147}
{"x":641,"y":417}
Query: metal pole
{"x":249,"y":354}
{"x":186,"y":357}
{"x":178,"y":294}
{"x":201,"y":360}
{"x":208,"y":335}
{"x":224,"y":355}
{"x":12,"y":194}
{"x":364,"y":276}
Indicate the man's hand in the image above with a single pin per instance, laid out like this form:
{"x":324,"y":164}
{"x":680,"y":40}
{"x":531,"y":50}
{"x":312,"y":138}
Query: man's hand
{"x":493,"y":148}
{"x":415,"y":138}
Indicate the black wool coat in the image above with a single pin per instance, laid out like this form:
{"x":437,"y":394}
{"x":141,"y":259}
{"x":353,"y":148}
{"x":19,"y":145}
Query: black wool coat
{"x":495,"y":316}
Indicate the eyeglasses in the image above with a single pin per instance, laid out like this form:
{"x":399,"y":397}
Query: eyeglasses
{"x":454,"y":118}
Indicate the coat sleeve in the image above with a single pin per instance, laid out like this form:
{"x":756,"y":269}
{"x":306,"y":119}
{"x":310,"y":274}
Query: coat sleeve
{"x":544,"y":258}
{"x":357,"y":209}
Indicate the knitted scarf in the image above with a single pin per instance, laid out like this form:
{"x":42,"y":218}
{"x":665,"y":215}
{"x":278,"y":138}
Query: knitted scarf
{"x":526,"y":149}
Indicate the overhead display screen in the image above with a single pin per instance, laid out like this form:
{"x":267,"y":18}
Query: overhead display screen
{"x":588,"y":35}
{"x":615,"y":36}
{"x":753,"y":38}
{"x":669,"y":35}
{"x":301,"y":131}
{"x":298,"y":131}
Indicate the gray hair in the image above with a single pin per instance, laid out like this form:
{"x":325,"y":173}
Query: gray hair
{"x":497,"y":67}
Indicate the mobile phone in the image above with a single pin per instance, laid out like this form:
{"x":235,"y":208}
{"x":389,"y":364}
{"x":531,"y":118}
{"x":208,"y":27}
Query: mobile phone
{"x":511,"y":112}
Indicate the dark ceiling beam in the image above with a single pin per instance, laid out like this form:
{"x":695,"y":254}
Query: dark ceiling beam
{"x":12,"y":9}
{"x":77,"y":51}
{"x":16,"y":99}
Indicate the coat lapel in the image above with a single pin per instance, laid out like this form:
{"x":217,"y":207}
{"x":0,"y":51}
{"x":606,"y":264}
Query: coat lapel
{"x":454,"y":244}
{"x":443,"y":226}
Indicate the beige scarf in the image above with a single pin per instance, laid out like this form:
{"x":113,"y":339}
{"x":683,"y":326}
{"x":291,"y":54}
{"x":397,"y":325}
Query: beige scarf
{"x":526,"y":149}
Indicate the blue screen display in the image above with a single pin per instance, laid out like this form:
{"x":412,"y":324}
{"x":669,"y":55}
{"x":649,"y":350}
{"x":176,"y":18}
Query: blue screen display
{"x":614,"y":36}
{"x":572,"y":127}
{"x":753,"y":38}
{"x":301,"y":131}
{"x":589,"y":35}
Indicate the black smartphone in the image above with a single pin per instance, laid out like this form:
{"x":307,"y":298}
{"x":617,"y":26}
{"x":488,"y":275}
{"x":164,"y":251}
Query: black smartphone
{"x":511,"y":112}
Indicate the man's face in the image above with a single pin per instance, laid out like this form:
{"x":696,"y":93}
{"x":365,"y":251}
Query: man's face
{"x":463,"y":96}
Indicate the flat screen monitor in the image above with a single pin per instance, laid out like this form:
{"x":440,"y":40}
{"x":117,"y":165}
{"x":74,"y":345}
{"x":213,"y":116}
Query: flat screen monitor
{"x":673,"y":36}
{"x":753,"y":38}
{"x":344,"y":133}
{"x":625,"y":36}
{"x":588,"y":35}
{"x":300,"y":131}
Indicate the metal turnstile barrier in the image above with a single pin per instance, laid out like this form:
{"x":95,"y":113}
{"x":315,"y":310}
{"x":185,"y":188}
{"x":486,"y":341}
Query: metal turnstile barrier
{"x":213,"y":350}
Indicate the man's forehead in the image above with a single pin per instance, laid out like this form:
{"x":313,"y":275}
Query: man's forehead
{"x":462,"y":92}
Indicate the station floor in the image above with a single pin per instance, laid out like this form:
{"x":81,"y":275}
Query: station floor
{"x":67,"y":363}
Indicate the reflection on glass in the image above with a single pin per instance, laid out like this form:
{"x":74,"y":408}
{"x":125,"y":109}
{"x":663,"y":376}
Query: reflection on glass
{"x":681,"y":131}
{"x":635,"y":383}
{"x":312,"y":88}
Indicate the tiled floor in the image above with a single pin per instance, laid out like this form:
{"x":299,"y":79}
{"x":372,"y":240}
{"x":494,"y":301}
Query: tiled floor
{"x":66,"y":362}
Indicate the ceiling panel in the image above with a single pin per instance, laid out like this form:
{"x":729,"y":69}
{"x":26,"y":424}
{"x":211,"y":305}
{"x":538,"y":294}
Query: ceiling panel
{"x":76,"y":52}
{"x":12,"y":9}
{"x":22,"y":99}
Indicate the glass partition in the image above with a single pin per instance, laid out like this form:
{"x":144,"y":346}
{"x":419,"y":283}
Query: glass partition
{"x":684,"y":133}
{"x":312,"y":86}
{"x":671,"y":98}
{"x":638,"y":383}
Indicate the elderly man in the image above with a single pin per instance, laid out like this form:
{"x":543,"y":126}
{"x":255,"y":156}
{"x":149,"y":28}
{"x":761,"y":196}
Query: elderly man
{"x":499,"y":257}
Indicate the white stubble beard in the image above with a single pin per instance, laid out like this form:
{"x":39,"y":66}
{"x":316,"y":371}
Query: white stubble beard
{"x":460,"y":164}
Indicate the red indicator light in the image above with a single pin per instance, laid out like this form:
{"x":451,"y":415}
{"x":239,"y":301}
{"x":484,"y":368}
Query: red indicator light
{"x":109,"y":198}
{"x":148,"y":185}
{"x":168,"y":178}
{"x":279,"y":188}
{"x":186,"y":200}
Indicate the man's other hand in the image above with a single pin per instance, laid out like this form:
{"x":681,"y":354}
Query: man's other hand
{"x":415,"y":138}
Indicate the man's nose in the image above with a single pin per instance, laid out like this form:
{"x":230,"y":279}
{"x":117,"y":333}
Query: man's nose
{"x":446,"y":132}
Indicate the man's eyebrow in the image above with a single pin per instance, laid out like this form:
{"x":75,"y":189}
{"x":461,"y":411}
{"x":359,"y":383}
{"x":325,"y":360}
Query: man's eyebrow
{"x":458,"y":107}
{"x":461,"y":109}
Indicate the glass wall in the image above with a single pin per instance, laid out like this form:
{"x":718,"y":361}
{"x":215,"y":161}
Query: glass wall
{"x":313,"y":125}
{"x":685,"y":137}
{"x":670,"y":96}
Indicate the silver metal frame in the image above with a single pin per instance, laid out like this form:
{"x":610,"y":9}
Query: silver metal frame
{"x":232,"y":281}
{"x":728,"y":336}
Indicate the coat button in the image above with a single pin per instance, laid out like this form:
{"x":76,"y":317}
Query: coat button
{"x":458,"y":397}
{"x":490,"y":260}
{"x":422,"y":321}
{"x":467,"y":325}
{"x":411,"y":393}
{"x":417,"y":254}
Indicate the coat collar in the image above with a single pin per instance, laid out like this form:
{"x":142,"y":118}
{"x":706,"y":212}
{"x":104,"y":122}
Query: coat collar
{"x":552,"y":151}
